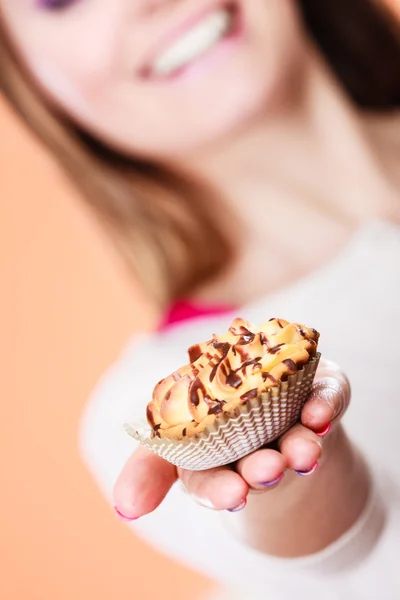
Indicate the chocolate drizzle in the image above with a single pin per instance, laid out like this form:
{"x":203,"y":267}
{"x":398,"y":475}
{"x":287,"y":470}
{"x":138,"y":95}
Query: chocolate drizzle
{"x":224,"y":348}
{"x":150,"y":417}
{"x":249,"y":395}
{"x":247,"y":339}
{"x":290,"y":364}
{"x":217,"y":409}
{"x":266,"y":376}
{"x":241,"y":330}
{"x":276,"y":349}
{"x":195,"y":352}
{"x":196,"y":387}
{"x":234,"y":380}
{"x":253,"y":362}
{"x":214,"y":372}
{"x":242,"y":351}
{"x":224,"y":368}
{"x":277,"y":321}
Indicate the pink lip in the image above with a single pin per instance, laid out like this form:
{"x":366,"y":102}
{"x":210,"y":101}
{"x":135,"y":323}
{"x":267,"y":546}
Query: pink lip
{"x":147,"y":71}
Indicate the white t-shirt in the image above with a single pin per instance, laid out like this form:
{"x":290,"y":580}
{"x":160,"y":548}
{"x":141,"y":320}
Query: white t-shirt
{"x":355,"y":303}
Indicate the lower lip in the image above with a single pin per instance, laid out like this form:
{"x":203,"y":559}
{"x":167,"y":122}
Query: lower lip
{"x":210,"y":58}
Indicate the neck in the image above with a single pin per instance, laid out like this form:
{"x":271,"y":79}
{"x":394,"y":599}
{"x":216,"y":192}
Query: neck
{"x":313,"y":147}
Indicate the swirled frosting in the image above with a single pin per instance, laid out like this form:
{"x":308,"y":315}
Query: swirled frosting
{"x":227,"y":371}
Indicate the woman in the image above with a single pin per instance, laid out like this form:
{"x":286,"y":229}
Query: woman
{"x":241,"y":154}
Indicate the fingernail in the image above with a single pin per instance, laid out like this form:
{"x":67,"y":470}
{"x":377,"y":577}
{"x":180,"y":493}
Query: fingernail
{"x":123,"y":517}
{"x":238,"y":508}
{"x":272,"y":483}
{"x":307,"y":473}
{"x":325,"y":432}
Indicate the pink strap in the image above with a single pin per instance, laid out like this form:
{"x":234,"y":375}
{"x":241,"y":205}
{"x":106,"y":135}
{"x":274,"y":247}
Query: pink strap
{"x":184,"y":310}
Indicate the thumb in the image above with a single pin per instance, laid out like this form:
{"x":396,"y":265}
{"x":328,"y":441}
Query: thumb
{"x":143,"y":484}
{"x":329,"y":398}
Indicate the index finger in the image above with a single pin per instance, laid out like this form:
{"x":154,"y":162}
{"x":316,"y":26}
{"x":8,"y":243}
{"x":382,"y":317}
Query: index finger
{"x":143,"y":484}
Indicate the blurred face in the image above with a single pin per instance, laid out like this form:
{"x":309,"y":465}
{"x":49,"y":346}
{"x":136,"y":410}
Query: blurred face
{"x":158,"y":78}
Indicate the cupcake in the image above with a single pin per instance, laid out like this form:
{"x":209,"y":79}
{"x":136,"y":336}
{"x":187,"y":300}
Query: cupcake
{"x":240,"y":391}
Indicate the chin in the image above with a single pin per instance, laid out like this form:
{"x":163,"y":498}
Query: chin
{"x":224,"y":109}
{"x":230,"y":119}
{"x":229,"y":113}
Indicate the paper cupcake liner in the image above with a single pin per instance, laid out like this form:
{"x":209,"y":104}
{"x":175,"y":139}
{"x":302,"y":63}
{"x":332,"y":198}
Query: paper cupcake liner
{"x":239,"y":432}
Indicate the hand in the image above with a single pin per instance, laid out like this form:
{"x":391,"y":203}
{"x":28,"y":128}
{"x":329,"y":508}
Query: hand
{"x":226,"y":488}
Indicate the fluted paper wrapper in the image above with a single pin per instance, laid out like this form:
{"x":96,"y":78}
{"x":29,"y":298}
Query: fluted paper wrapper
{"x":239,"y":432}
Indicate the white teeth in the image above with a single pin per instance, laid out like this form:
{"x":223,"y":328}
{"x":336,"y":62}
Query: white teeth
{"x":194,"y":43}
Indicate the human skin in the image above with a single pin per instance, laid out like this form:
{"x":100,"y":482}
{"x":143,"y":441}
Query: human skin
{"x":260,"y":118}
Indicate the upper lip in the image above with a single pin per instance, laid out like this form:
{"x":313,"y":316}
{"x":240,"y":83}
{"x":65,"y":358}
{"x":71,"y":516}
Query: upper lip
{"x":178,"y":31}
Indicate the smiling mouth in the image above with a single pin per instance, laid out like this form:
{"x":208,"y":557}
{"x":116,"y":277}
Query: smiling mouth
{"x":194,"y":42}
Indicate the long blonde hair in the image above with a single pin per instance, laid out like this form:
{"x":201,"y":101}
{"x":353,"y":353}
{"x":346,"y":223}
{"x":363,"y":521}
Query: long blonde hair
{"x":168,"y":227}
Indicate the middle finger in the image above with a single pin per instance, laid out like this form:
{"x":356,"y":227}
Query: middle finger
{"x":218,"y":489}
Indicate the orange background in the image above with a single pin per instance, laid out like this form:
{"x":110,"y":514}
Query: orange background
{"x":66,"y":309}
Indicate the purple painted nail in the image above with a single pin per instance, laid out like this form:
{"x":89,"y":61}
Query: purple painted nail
{"x":307,"y":473}
{"x":272,"y":483}
{"x":238,"y":508}
{"x":123,"y":517}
